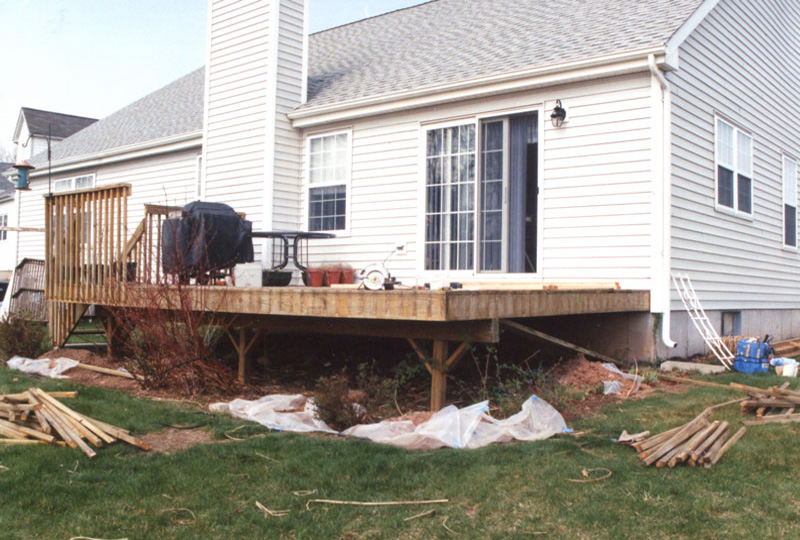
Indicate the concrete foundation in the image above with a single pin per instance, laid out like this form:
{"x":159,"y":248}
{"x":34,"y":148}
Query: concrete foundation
{"x":637,"y":336}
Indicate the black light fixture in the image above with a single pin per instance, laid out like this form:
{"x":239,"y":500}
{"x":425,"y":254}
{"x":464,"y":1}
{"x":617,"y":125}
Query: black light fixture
{"x":559,"y":114}
{"x":23,"y":181}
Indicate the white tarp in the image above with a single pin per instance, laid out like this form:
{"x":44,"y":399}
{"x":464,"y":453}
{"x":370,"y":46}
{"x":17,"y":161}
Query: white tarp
{"x":279,"y":412}
{"x":470,"y":427}
{"x":45,"y":367}
{"x":614,"y":387}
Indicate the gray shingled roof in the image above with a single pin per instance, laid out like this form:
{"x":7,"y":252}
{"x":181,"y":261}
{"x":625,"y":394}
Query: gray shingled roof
{"x":439,"y":42}
{"x":171,"y":111}
{"x":61,"y":125}
{"x":447,"y":41}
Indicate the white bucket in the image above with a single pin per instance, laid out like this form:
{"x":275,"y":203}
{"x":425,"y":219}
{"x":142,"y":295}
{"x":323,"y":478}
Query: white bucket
{"x":790,"y":370}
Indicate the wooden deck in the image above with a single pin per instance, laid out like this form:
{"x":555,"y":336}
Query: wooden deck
{"x":93,"y":260}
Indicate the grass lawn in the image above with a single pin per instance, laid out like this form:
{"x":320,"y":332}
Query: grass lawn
{"x":505,"y":491}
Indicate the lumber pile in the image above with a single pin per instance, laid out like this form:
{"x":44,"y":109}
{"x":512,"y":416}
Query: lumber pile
{"x":38,"y":417}
{"x":697,"y":443}
{"x":774,"y":405}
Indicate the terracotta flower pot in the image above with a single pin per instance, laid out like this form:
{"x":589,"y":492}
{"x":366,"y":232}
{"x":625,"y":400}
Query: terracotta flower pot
{"x":332,"y":276}
{"x":316,"y":277}
{"x":348,"y":275}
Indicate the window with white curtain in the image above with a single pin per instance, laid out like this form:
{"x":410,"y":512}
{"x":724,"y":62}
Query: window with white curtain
{"x":789,"y":202}
{"x":734,"y":164}
{"x":450,"y":198}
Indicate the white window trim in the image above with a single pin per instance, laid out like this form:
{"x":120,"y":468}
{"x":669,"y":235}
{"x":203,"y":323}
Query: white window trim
{"x":3,"y":223}
{"x":721,"y":207}
{"x":72,"y":179}
{"x":784,"y":158}
{"x":348,"y":180}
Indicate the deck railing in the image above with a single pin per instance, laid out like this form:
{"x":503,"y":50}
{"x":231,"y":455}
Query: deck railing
{"x":142,"y":253}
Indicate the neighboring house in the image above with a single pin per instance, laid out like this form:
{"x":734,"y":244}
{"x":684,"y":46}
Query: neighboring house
{"x":35,"y":126}
{"x":427,"y":133}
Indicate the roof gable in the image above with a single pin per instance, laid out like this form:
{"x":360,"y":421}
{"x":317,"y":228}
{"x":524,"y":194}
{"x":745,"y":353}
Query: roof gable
{"x":60,"y":126}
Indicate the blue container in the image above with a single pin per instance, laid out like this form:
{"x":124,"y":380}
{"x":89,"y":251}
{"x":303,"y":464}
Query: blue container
{"x":752,"y":356}
{"x":745,"y":365}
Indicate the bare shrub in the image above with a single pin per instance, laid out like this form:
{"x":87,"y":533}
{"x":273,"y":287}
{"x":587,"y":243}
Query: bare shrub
{"x":170,"y":327}
{"x":22,"y":337}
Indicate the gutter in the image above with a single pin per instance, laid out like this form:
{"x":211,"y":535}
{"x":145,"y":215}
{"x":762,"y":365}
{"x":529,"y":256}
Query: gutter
{"x":114,"y":155}
{"x":666,"y":201}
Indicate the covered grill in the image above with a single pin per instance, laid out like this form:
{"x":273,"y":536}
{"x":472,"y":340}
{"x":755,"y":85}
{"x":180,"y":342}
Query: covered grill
{"x":207,"y":238}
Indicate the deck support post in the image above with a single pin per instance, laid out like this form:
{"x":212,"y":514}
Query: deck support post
{"x":243,"y":346}
{"x":439,"y":374}
{"x":439,"y":365}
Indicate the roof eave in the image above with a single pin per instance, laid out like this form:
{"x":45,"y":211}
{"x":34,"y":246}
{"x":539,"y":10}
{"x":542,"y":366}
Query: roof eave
{"x":603,"y":66}
{"x":165,"y":145}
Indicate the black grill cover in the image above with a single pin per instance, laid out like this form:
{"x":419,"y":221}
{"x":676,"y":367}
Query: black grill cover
{"x":207,"y":237}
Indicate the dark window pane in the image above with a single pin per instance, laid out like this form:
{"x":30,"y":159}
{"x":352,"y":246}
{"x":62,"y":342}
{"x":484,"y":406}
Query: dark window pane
{"x":745,"y":195}
{"x":327,"y":208}
{"x":725,"y":186}
{"x":435,"y":142}
{"x":790,"y":225}
{"x":434,"y":171}
{"x":432,"y":256}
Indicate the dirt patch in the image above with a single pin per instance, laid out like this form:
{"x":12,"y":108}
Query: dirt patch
{"x":582,"y":374}
{"x":85,"y":376}
{"x":175,"y":440}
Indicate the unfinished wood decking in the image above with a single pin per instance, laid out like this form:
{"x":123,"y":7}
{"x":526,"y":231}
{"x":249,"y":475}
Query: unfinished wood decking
{"x":92,"y":259}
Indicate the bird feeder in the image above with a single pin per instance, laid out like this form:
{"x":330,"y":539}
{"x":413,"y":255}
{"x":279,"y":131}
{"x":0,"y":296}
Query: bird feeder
{"x":23,"y":177}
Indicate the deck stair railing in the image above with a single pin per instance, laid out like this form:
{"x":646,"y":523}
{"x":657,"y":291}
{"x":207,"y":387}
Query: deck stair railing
{"x":86,"y":232}
{"x":142,"y":253}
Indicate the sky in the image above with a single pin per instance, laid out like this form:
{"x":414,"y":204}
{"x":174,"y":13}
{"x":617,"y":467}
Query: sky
{"x":93,"y":57}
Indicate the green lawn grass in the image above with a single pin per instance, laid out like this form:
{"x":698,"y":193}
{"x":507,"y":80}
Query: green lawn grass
{"x":504,"y":491}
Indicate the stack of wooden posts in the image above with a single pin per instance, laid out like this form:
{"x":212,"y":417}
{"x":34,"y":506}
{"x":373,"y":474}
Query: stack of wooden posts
{"x":770,"y":405}
{"x":37,"y":417}
{"x":696,"y":443}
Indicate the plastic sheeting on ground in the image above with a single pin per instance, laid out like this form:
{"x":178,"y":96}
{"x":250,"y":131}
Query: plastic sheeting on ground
{"x":280,"y":412}
{"x":470,"y":427}
{"x":45,"y":367}
{"x":614,"y":387}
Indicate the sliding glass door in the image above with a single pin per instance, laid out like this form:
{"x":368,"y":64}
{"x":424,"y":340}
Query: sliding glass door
{"x":488,"y":222}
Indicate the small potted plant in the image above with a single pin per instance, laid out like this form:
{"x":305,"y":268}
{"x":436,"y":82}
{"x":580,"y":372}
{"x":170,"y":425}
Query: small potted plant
{"x":348,"y":274}
{"x":332,"y":274}
{"x":314,"y":277}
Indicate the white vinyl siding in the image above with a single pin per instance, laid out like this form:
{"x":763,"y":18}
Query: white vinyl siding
{"x":252,"y":156}
{"x":736,"y":264}
{"x":789,"y":202}
{"x":595,"y":185}
{"x":734,"y":154}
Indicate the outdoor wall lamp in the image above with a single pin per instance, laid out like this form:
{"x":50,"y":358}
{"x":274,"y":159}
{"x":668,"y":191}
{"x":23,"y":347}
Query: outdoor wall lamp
{"x":559,"y":114}
{"x":23,"y":168}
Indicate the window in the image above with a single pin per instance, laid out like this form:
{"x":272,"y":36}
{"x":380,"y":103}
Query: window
{"x":3,"y":223}
{"x":328,"y":179}
{"x":731,"y":323}
{"x":734,"y":159}
{"x":450,"y":198}
{"x":789,"y":202}
{"x":72,"y":184}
